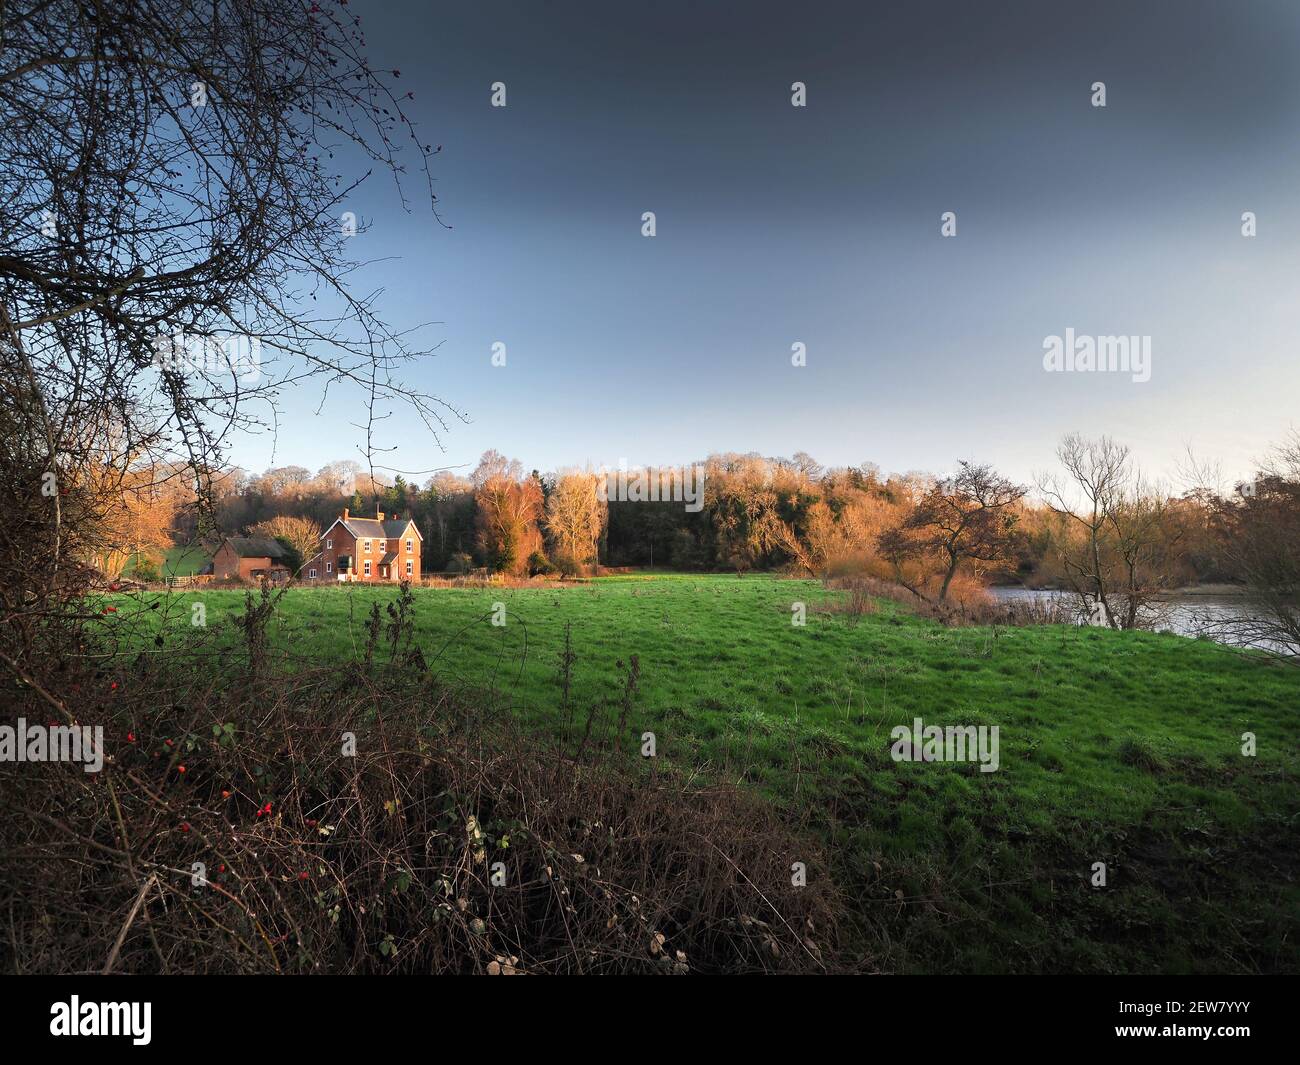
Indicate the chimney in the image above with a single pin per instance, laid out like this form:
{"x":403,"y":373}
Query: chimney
{"x":379,"y":515}
{"x":345,"y":513}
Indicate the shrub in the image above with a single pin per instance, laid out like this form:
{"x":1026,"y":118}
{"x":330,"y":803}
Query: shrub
{"x":273,"y":817}
{"x":540,"y":565}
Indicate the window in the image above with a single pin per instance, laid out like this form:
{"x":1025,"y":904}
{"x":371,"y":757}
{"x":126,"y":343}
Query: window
{"x":367,"y":566}
{"x":409,"y":547}
{"x":408,"y":567}
{"x":329,"y":567}
{"x":366,"y":548}
{"x":311,"y":573}
{"x":383,"y":546}
{"x":329,"y":545}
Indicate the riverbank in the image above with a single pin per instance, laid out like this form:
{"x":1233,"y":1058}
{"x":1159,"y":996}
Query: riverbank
{"x":1226,"y":591}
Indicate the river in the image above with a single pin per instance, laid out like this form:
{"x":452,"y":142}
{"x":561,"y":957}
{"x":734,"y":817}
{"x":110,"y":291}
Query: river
{"x":1187,"y":613}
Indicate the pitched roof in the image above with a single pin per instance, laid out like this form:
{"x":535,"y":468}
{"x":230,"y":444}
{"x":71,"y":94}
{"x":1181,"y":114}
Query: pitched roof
{"x":256,"y":547}
{"x":366,"y":528}
{"x":395,"y":528}
{"x":372,"y":528}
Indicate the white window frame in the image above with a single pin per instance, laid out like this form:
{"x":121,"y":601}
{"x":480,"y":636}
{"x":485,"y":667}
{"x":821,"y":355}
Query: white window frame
{"x":367,"y":569}
{"x":410,"y":546}
{"x":329,"y":567}
{"x":311,"y":574}
{"x":329,"y":545}
{"x":408,"y":567}
{"x":383,"y":547}
{"x":366,"y":551}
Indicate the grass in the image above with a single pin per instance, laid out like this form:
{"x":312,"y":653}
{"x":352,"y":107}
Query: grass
{"x":1122,"y":748}
{"x":174,"y":562}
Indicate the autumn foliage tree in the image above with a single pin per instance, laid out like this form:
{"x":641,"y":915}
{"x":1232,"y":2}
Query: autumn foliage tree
{"x":300,"y":535}
{"x":135,"y":521}
{"x":509,"y":506}
{"x":575,"y":518}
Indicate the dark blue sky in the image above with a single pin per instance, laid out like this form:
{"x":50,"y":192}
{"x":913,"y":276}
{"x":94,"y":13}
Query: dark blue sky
{"x":821,"y":225}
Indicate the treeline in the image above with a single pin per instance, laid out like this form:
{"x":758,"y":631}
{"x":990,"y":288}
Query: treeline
{"x":1096,"y":528}
{"x":1098,"y":524}
{"x":504,"y":517}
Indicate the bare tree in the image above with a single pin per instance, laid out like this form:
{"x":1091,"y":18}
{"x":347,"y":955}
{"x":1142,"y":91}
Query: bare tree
{"x":1259,"y":529}
{"x":1145,"y":541}
{"x":1096,"y":475}
{"x":177,"y":232}
{"x":967,"y":517}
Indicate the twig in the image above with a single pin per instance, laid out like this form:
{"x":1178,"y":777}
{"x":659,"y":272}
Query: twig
{"x":126,"y":925}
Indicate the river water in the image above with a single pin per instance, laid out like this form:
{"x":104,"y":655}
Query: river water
{"x":1186,"y":613}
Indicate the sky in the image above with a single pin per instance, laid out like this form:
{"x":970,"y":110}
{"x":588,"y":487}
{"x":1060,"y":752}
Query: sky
{"x":821,"y":225}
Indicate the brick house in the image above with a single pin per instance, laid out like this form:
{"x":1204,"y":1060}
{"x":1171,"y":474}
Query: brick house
{"x":250,"y":558}
{"x":373,"y":550}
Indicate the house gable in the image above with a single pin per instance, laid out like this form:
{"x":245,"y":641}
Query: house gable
{"x":398,"y":530}
{"x":335,"y":530}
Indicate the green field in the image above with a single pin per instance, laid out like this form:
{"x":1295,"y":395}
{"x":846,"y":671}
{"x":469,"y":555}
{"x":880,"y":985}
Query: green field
{"x":1122,"y":748}
{"x":175,"y":562}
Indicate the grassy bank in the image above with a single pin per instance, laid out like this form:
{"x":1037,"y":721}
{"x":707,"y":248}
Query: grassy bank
{"x":1122,"y":748}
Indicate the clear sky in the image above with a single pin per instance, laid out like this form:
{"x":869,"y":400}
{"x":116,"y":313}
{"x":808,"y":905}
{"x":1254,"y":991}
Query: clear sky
{"x":821,"y":225}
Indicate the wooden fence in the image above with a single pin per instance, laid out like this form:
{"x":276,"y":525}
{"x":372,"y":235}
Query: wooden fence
{"x":189,"y":581}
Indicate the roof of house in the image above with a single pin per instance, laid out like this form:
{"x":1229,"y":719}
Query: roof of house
{"x":256,"y":547}
{"x":388,"y":558}
{"x":372,"y":528}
